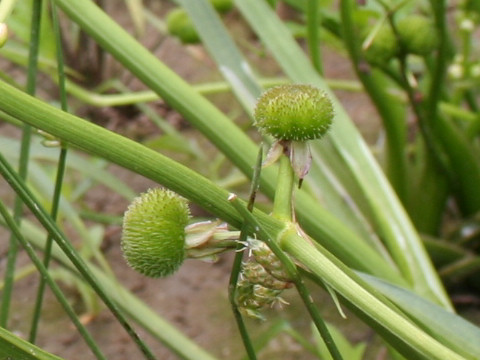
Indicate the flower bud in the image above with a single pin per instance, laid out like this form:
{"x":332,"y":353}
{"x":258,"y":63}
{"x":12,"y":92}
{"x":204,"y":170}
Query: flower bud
{"x":417,"y":35}
{"x":153,"y":236}
{"x":294,"y":112}
{"x":265,"y":257}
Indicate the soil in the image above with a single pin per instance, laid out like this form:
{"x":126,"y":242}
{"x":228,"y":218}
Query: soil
{"x":194,"y":299}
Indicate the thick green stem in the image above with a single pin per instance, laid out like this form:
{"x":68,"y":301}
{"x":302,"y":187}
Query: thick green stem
{"x":465,"y":167}
{"x":292,"y":272}
{"x":326,"y":270}
{"x":391,"y":112}
{"x":313,"y":38}
{"x":282,"y":206}
{"x":6,"y":7}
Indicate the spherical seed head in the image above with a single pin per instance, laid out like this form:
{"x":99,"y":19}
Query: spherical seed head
{"x":383,"y":47}
{"x":294,"y":112}
{"x":153,"y":234}
{"x":417,"y":34}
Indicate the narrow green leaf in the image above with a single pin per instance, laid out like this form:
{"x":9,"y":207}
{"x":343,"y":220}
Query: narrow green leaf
{"x":452,"y":330}
{"x":15,"y":348}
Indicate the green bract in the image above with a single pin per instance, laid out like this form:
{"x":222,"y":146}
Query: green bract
{"x":153,"y":235}
{"x":294,"y":112}
{"x":417,"y":34}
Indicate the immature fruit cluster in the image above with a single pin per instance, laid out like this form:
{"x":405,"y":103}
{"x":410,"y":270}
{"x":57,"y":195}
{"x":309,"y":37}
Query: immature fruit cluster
{"x":383,"y":45}
{"x":262,"y":281}
{"x":294,"y":112}
{"x":415,"y":34}
{"x":153,"y":237}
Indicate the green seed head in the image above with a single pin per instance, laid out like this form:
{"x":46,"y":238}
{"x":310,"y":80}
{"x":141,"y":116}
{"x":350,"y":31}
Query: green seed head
{"x":383,"y":45}
{"x":294,"y":112}
{"x":180,"y":25}
{"x":417,"y":34}
{"x":153,"y":235}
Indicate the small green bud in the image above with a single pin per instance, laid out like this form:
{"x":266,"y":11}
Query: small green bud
{"x":380,"y":46}
{"x":417,"y":35}
{"x":153,"y":237}
{"x":180,"y":25}
{"x":3,"y":34}
{"x":294,"y":112}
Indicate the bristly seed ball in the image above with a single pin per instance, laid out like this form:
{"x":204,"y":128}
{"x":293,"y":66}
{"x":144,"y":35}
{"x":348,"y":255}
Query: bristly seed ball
{"x":294,"y":112}
{"x":153,"y":237}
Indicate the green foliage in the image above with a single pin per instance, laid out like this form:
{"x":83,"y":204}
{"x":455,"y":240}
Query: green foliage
{"x":351,"y":214}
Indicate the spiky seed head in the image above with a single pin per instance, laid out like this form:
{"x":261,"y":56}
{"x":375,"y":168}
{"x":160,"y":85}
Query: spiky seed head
{"x":153,"y":236}
{"x":417,"y":34}
{"x":294,"y":112}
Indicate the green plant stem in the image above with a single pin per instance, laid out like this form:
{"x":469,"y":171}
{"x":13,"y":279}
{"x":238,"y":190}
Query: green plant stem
{"x":23,"y":161}
{"x":391,"y":112}
{"x":283,"y":205}
{"x":6,"y":7}
{"x":61,"y":166}
{"x":127,"y":98}
{"x":463,"y":161}
{"x":347,"y":287}
{"x":28,"y":199}
{"x":313,"y":37}
{"x":237,"y":262}
{"x":12,"y":224}
{"x":291,"y":271}
{"x":436,"y":172}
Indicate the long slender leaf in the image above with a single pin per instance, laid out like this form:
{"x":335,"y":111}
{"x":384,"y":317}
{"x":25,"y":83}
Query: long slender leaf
{"x":450,"y":329}
{"x":13,"y":347}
